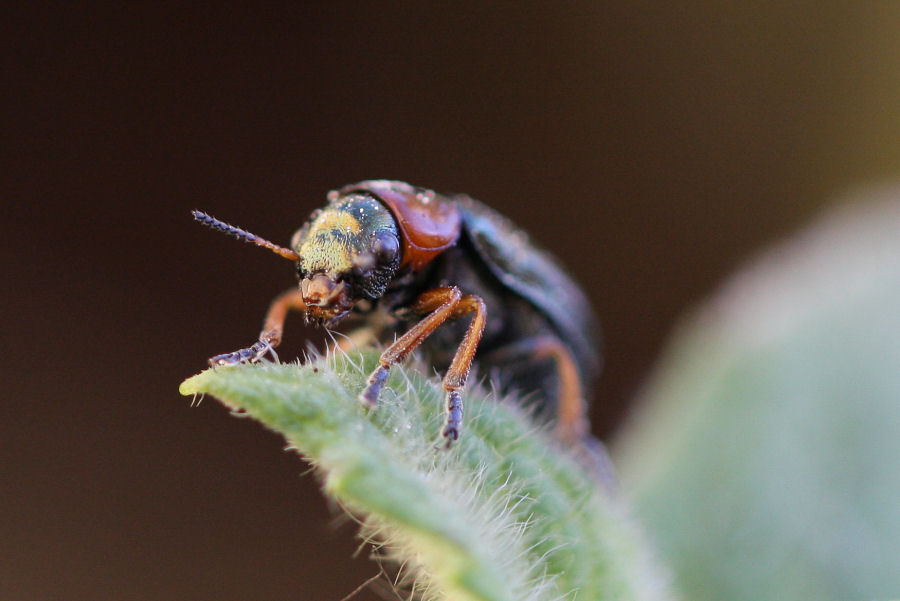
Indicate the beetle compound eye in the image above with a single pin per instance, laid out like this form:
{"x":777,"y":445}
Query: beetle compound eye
{"x":386,"y":248}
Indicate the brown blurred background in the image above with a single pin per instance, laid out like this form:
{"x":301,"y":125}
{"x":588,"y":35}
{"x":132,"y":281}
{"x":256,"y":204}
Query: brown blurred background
{"x":652,"y":148}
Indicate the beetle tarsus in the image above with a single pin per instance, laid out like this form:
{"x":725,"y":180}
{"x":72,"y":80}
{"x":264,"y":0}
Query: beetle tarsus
{"x":251,"y":354}
{"x":454,"y":416}
{"x":369,"y":395}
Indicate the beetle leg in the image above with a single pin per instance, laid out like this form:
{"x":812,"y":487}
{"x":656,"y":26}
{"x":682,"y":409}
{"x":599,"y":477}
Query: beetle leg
{"x":571,"y":410}
{"x":438,"y":304}
{"x":270,"y":337}
{"x":455,"y":379}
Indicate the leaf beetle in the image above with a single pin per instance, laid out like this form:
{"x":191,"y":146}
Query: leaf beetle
{"x":424,"y":261}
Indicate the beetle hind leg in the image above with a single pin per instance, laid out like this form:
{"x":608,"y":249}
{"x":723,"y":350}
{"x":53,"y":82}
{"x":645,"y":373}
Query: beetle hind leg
{"x":270,"y":337}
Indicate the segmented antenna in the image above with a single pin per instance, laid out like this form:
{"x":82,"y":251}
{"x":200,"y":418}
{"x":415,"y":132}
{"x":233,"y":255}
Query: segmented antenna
{"x":210,"y":221}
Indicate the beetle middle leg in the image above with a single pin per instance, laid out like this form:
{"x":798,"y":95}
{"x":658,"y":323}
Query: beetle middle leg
{"x":270,"y":337}
{"x":438,"y":305}
{"x":571,"y":412}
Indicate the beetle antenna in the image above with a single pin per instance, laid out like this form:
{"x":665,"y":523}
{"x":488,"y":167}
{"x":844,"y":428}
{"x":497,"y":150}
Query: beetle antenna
{"x":212,"y":222}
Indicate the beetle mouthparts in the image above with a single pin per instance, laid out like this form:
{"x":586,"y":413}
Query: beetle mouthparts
{"x":325,"y":318}
{"x":326,"y":301}
{"x":322,"y":291}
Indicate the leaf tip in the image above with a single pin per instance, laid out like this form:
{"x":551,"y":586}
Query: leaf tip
{"x":193,"y":385}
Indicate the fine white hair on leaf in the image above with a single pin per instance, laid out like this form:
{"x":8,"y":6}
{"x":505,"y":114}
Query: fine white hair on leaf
{"x":504,"y":501}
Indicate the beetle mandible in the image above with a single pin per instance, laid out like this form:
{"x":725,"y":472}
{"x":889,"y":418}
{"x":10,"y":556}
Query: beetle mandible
{"x":388,"y":248}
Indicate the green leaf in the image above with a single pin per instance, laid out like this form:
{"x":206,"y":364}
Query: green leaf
{"x":766,"y":459}
{"x":505,"y":514}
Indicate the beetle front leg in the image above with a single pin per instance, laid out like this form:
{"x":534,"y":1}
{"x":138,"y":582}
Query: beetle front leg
{"x":455,"y":380}
{"x":441,"y":304}
{"x":270,"y":337}
{"x":251,"y":354}
{"x":438,"y":304}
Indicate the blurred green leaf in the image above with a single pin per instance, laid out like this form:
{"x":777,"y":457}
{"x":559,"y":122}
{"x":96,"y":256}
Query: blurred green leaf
{"x":505,"y":514}
{"x":766,"y":456}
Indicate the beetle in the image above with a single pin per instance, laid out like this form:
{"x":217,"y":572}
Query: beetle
{"x":425,"y":261}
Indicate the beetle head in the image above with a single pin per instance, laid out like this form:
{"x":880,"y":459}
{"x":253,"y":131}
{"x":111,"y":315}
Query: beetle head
{"x":348,"y":251}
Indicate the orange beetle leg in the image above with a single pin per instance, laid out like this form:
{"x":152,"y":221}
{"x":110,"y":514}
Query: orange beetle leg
{"x":455,"y":380}
{"x":438,"y":304}
{"x":571,"y":410}
{"x":270,"y":337}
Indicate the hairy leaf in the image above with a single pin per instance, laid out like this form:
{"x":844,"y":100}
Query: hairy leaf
{"x":505,"y":514}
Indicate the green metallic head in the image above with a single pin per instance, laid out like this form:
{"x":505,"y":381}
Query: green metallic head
{"x":348,"y":251}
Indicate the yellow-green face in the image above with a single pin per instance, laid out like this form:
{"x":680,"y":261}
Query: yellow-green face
{"x":332,"y":242}
{"x":349,"y":251}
